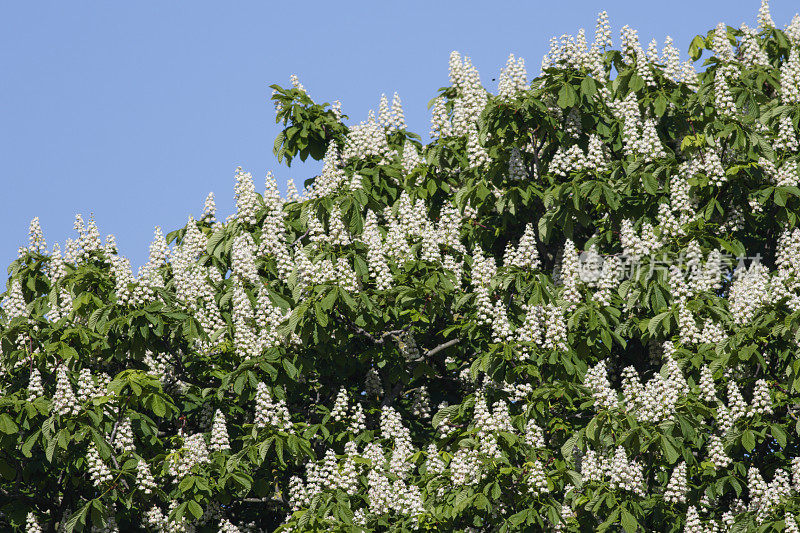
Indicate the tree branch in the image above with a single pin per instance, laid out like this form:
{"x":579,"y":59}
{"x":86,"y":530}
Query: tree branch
{"x":398,"y":387}
{"x":375,"y":340}
{"x":298,"y":240}
{"x":443,"y":346}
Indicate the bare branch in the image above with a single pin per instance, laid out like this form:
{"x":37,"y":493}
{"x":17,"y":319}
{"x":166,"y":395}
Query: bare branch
{"x":443,"y":346}
{"x":298,"y":240}
{"x":375,"y":340}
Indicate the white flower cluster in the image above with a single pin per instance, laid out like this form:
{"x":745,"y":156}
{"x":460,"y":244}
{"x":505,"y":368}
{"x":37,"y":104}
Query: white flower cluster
{"x":209,"y":208}
{"x":411,"y":158}
{"x":568,"y":52}
{"x":421,"y":404}
{"x":273,"y":234}
{"x":57,"y":271}
{"x":537,"y":479}
{"x":123,"y":278}
{"x":723,"y":99}
{"x":36,"y":242}
{"x":98,"y":471}
{"x":434,"y":463}
{"x":367,"y":139}
{"x":569,"y":275}
{"x":476,"y":153}
{"x":793,"y":30}
{"x":396,"y":496}
{"x":149,"y":275}
{"x":656,"y":400}
{"x":716,"y":453}
{"x":670,"y":58}
{"x":764,"y":498}
{"x":787,"y":137}
{"x":762,"y":403}
{"x":574,"y":159}
{"x":748,"y":293}
{"x":677,"y":486}
{"x":243,"y":262}
{"x":440,"y":120}
{"x":246,"y":197}
{"x":226,"y":526}
{"x":483,"y":270}
{"x":32,"y":524}
{"x":88,"y":242}
{"x":608,"y":281}
{"x":376,"y":257}
{"x":144,"y":478}
{"x":596,"y":380}
{"x":471,"y":96}
{"x":14,"y":303}
{"x":751,"y":53}
{"x":358,"y":420}
{"x":219,"y":433}
{"x":194,"y":452}
{"x":328,"y":474}
{"x":161,"y":523}
{"x":393,"y":119}
{"x":339,"y":410}
{"x":790,"y":78}
{"x":707,"y":389}
{"x":488,"y":423}
{"x":244,"y":336}
{"x":35,"y":387}
{"x":270,"y":413}
{"x":721,"y":44}
{"x":618,"y":470}
{"x":534,"y":435}
{"x":639,"y":134}
{"x":466,"y":467}
{"x":513,"y":78}
{"x":64,"y":401}
{"x":640,"y":244}
{"x":786,"y":176}
{"x":391,"y":425}
{"x":123,"y":439}
{"x":193,"y":285}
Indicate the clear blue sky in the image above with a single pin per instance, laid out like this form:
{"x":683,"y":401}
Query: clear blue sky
{"x":136,"y":110}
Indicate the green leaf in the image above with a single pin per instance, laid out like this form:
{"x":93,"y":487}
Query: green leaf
{"x":696,"y":46}
{"x":779,"y":433}
{"x":588,"y":87}
{"x":195,"y":509}
{"x":649,"y":182}
{"x":748,"y":440}
{"x":567,"y":96}
{"x":7,"y":425}
{"x":79,"y":517}
{"x":655,"y":321}
{"x":660,"y":105}
{"x":628,"y":521}
{"x":27,"y":446}
{"x":669,"y":450}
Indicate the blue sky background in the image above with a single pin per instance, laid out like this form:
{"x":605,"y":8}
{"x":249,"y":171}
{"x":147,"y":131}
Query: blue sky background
{"x":134,"y":111}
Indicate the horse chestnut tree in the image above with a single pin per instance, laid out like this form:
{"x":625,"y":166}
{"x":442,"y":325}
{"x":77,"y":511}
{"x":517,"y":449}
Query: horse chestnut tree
{"x":577,"y":308}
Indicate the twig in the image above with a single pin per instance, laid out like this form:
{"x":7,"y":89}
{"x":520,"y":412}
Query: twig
{"x":113,"y":455}
{"x":443,"y":346}
{"x":375,"y":340}
{"x":301,"y":237}
{"x":398,"y":388}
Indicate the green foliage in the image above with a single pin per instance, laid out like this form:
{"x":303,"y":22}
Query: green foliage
{"x":400,"y":282}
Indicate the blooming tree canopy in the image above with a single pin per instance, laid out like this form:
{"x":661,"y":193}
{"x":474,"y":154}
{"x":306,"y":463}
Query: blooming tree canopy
{"x":577,"y":308}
